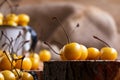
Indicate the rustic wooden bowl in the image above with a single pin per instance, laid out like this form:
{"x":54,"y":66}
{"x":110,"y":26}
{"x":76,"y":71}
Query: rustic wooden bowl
{"x":82,"y":70}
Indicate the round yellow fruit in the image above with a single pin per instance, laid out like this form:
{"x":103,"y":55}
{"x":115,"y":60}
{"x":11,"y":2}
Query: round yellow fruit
{"x":72,"y":51}
{"x":11,"y":23}
{"x":93,"y":53}
{"x":34,"y":55}
{"x":26,"y":76}
{"x":108,"y":53}
{"x":24,"y":64}
{"x":12,"y":17}
{"x":84,"y":52}
{"x":23,"y":19}
{"x":8,"y":75}
{"x":45,"y":55}
{"x":35,"y":63}
{"x":6,"y":63}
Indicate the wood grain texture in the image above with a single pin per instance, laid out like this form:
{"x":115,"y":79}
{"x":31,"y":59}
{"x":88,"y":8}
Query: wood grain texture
{"x":81,"y":70}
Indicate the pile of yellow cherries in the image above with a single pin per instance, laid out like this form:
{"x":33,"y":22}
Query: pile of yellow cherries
{"x":17,"y":66}
{"x":14,"y":19}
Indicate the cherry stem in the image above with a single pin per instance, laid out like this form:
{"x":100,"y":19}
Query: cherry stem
{"x":55,"y":18}
{"x":51,"y":48}
{"x":74,"y":29}
{"x":101,"y":41}
{"x":22,"y":63}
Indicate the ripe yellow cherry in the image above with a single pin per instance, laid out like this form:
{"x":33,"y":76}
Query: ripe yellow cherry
{"x":45,"y":55}
{"x":5,"y":63}
{"x":108,"y":53}
{"x":34,"y":57}
{"x":35,"y":63}
{"x":12,"y":17}
{"x":1,"y":76}
{"x":23,"y":19}
{"x":26,"y":76}
{"x":26,"y":64}
{"x":93,"y":53}
{"x":84,"y":52}
{"x":8,"y":75}
{"x":72,"y":51}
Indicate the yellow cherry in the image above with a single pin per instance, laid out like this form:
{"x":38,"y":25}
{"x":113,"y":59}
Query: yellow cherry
{"x":12,"y":17}
{"x":72,"y":51}
{"x":108,"y":53}
{"x":45,"y":55}
{"x":23,"y":19}
{"x":8,"y":75}
{"x":24,"y":64}
{"x":84,"y":52}
{"x":93,"y":53}
{"x":11,"y":23}
{"x":26,"y":76}
{"x":6,"y":62}
{"x":34,"y":57}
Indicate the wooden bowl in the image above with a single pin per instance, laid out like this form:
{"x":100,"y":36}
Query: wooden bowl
{"x":81,"y":70}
